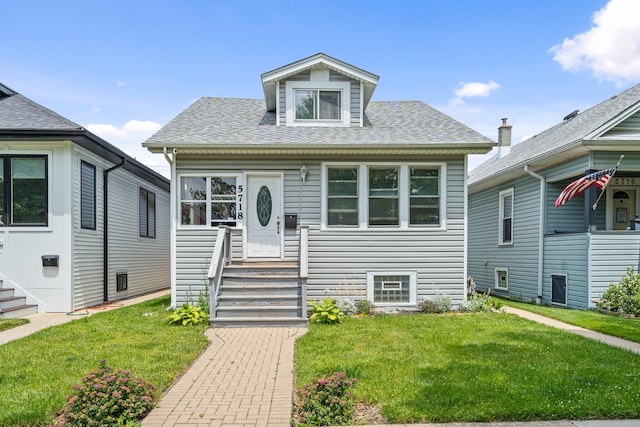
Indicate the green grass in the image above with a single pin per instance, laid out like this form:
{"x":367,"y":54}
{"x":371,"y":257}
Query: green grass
{"x":475,"y":367}
{"x":38,"y":371}
{"x":620,"y":327}
{"x":11,"y":323}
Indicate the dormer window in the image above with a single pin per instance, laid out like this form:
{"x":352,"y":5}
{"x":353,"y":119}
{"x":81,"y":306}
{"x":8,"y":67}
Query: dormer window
{"x":318,"y":104}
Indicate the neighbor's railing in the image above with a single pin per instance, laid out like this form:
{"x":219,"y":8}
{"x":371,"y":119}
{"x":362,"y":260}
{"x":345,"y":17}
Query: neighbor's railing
{"x":218,"y":259}
{"x":304,"y":265}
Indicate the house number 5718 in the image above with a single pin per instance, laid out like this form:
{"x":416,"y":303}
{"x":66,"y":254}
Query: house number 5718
{"x":240,"y":195}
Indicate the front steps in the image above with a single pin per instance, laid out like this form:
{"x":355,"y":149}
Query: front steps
{"x":12,"y":307}
{"x":260,"y":295}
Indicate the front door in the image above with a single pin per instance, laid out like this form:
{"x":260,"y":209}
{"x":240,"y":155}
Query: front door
{"x":264,"y":216}
{"x":624,"y":207}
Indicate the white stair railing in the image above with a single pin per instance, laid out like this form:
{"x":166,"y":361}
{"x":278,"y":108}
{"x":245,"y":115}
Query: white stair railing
{"x":218,"y":260}
{"x":304,"y":265}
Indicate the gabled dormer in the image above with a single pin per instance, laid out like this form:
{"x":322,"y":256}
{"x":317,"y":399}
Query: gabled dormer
{"x":318,"y":91}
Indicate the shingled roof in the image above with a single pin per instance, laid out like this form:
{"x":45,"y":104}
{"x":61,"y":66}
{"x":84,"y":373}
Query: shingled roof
{"x":564,"y":135}
{"x":235,"y":122}
{"x":25,"y":120}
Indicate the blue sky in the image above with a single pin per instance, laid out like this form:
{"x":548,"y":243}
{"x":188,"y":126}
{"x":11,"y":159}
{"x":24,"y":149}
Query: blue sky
{"x":122,"y":69}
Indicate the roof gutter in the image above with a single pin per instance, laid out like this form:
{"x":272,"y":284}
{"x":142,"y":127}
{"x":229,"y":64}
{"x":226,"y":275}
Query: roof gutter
{"x":105,"y":228}
{"x":541,"y":222}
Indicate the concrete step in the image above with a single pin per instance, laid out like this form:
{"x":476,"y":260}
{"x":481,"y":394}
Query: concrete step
{"x":19,"y":311}
{"x":259,"y":322}
{"x":247,"y":299}
{"x":257,"y":311}
{"x":12,"y":301}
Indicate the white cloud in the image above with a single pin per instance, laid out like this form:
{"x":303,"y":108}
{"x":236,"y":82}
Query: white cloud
{"x":472,"y":90}
{"x":132,"y":129}
{"x":610,"y":48}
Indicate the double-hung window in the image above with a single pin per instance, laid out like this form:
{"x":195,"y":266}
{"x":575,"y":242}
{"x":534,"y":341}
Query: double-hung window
{"x":147,"y":214}
{"x":210,"y":200}
{"x":23,"y":190}
{"x":506,"y":217}
{"x":383,"y":195}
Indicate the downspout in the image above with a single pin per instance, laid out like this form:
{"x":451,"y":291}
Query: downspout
{"x":543,"y":204}
{"x":105,"y":229}
{"x":172,"y":203}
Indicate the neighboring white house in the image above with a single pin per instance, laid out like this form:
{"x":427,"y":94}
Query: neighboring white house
{"x":522,"y":246}
{"x":363,"y":199}
{"x":58,"y":250}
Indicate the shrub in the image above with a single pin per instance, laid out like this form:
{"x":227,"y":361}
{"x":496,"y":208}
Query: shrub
{"x":188,"y":315}
{"x":443,"y":303}
{"x":108,"y":397}
{"x":364,"y":306}
{"x":325,"y":401}
{"x":427,"y":306}
{"x":326,"y":311}
{"x":346,"y":305}
{"x":623,"y":297}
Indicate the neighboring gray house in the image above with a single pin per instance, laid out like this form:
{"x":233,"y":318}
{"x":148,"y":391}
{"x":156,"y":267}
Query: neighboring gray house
{"x":359,"y":199}
{"x":521,"y":245}
{"x":58,"y":250}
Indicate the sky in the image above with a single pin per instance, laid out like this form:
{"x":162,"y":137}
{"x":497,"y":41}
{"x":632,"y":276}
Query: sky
{"x":123,"y":69}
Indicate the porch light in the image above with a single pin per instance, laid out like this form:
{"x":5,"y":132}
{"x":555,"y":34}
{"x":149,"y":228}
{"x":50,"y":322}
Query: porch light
{"x":303,"y":173}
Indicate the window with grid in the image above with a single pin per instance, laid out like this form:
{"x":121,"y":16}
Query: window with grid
{"x":209,"y":200}
{"x":391,"y":289}
{"x":502,"y":278}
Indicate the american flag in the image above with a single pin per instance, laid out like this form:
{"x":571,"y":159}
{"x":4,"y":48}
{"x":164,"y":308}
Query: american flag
{"x":579,"y":186}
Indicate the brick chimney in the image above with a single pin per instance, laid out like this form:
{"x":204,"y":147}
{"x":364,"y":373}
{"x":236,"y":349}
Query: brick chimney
{"x":504,"y":139}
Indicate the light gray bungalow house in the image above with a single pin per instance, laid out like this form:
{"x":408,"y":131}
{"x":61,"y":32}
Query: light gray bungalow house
{"x":359,"y":199}
{"x":521,"y":245}
{"x":81,"y":222}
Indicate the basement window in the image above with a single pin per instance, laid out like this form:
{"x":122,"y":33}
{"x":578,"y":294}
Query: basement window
{"x":122,"y":282}
{"x":391,"y":288}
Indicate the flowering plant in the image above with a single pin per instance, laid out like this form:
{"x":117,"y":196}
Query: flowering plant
{"x":325,"y":401}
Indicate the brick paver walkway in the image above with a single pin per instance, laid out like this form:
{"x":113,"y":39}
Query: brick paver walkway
{"x":244,"y":378}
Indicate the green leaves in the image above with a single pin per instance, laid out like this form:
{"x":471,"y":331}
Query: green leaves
{"x":326,"y":311}
{"x":188,"y":315}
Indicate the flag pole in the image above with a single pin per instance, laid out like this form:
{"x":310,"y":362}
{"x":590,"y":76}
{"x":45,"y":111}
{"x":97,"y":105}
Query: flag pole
{"x":595,"y":205}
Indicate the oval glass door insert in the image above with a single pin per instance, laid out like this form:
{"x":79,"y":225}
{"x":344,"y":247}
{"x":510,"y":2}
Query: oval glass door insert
{"x":264,"y":205}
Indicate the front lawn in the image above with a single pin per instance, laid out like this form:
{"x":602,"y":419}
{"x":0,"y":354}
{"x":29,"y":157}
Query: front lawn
{"x":620,"y":327}
{"x":38,"y":371}
{"x":473,"y":367}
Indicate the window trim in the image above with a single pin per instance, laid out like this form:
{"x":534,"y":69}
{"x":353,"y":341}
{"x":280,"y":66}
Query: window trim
{"x":5,"y":158}
{"x":403,"y":196}
{"x":502,"y":195}
{"x":345,"y":102}
{"x":146,"y":232}
{"x":496,"y":284}
{"x":208,"y":200}
{"x":413,"y":287}
{"x":93,"y":168}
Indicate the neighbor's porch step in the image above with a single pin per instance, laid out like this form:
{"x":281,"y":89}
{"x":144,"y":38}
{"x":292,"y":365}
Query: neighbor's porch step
{"x":18,"y":311}
{"x":259,"y":322}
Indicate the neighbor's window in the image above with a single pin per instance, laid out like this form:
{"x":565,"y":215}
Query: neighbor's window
{"x":23,"y":190}
{"x":506,"y":216}
{"x":312,"y":104}
{"x":210,"y":200}
{"x":342,"y":196}
{"x":383,"y":197}
{"x":502,"y":278}
{"x":391,"y":288}
{"x":424,"y":198}
{"x":87,"y":195}
{"x":147,"y":215}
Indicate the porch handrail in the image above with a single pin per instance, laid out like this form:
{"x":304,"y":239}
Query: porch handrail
{"x":218,"y":260}
{"x":304,"y":265}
